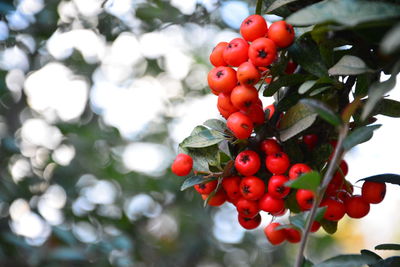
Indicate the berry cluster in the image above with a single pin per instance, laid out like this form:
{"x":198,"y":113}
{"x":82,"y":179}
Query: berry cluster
{"x":241,"y":64}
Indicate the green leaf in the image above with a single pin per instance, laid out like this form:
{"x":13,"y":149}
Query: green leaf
{"x":370,"y":253}
{"x":344,"y":12}
{"x":278,"y":3}
{"x":204,"y":138}
{"x":388,"y":107}
{"x":305,"y":49}
{"x":298,"y":118}
{"x":309,"y":181}
{"x":285,"y":80}
{"x":299,"y":220}
{"x":329,"y":226}
{"x":388,"y":262}
{"x":307,"y":263}
{"x":259,"y":6}
{"x":349,"y":65}
{"x":320,"y":90}
{"x":391,"y":42}
{"x":351,"y":260}
{"x":359,"y":135}
{"x":388,"y":247}
{"x":202,"y":157}
{"x":383,"y":178}
{"x":216,"y":125}
{"x":323,"y":111}
{"x":194,"y":180}
{"x":307,"y":85}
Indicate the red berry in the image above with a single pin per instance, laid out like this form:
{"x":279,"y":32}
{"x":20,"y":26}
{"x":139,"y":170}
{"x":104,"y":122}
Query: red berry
{"x":290,"y":67}
{"x":275,"y":237}
{"x":272,"y":205}
{"x":270,"y":146}
{"x":231,"y":185}
{"x":217,"y":200}
{"x":244,"y":97}
{"x":240,"y":124}
{"x":182,"y":165}
{"x":310,"y":140}
{"x":335,"y":209}
{"x":315,"y":227}
{"x":293,"y":235}
{"x":249,"y":223}
{"x":252,"y":187}
{"x":253,"y":27}
{"x":305,"y":198}
{"x":248,"y":74}
{"x":224,"y":102}
{"x":281,"y":33}
{"x":277,"y":163}
{"x":247,"y":162}
{"x":271,"y":110}
{"x":216,"y":56}
{"x":256,"y":114}
{"x":247,"y":208}
{"x":356,"y":207}
{"x":206,"y":188}
{"x":236,"y":52}
{"x":373,"y":192}
{"x":262,"y":52}
{"x":298,"y":169}
{"x":222,"y":79}
{"x":276,"y":186}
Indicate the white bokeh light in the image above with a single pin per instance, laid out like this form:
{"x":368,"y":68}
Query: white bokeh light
{"x":141,"y":205}
{"x":14,"y":58}
{"x":40,"y":133}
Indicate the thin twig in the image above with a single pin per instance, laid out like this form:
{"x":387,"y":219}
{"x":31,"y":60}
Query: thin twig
{"x":337,"y":157}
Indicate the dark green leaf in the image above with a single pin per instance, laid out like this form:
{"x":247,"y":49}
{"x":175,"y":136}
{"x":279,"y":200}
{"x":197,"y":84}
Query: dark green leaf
{"x":259,"y":6}
{"x":320,"y":90}
{"x":277,"y":4}
{"x":204,"y":138}
{"x":302,"y":51}
{"x":388,"y":107}
{"x":349,"y":65}
{"x":329,"y":226}
{"x":383,"y":178}
{"x":389,"y":262}
{"x":307,"y":85}
{"x":345,"y":12}
{"x":216,"y":125}
{"x":323,"y":111}
{"x":202,"y":157}
{"x":291,"y":203}
{"x":370,"y":253}
{"x":391,"y":41}
{"x":363,"y":83}
{"x":359,"y":135}
{"x":351,"y":260}
{"x":299,"y":220}
{"x":307,"y":263}
{"x":296,"y":119}
{"x":194,"y":180}
{"x":388,"y":247}
{"x":309,"y":181}
{"x":285,"y":80}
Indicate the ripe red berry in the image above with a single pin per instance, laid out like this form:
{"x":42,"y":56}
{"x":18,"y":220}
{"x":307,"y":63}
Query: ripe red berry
{"x":262,"y":52}
{"x":249,"y":223}
{"x":253,"y":27}
{"x":276,"y":186}
{"x":217,"y":200}
{"x":252,"y":187}
{"x":231,"y":185}
{"x":236,"y":52}
{"x":224,"y":102}
{"x":335,"y":209}
{"x":281,"y":33}
{"x":256,"y":114}
{"x":247,"y":208}
{"x":270,"y":204}
{"x":244,"y":97}
{"x":222,"y":79}
{"x":305,"y":198}
{"x":274,"y":236}
{"x":206,"y":188}
{"x":310,"y":140}
{"x":293,"y":235}
{"x":298,"y":169}
{"x":240,"y":125}
{"x":356,"y":207}
{"x":248,"y":74}
{"x":373,"y":192}
{"x":290,"y":67}
{"x":182,"y":165}
{"x":277,"y":163}
{"x":271,"y":110}
{"x":247,"y":162}
{"x":216,"y":56}
{"x":270,"y":146}
{"x":315,"y":226}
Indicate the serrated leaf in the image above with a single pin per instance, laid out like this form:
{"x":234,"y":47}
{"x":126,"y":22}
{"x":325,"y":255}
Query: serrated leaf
{"x":194,"y":180}
{"x":388,"y":247}
{"x":279,"y":3}
{"x":383,"y":178}
{"x":391,"y":41}
{"x":307,"y":85}
{"x":323,"y":111}
{"x":388,"y":107}
{"x":309,"y":181}
{"x":349,"y":65}
{"x":203,"y":138}
{"x":304,"y":49}
{"x":351,"y":260}
{"x":284,"y":80}
{"x":344,"y":12}
{"x":329,"y":226}
{"x":298,"y":118}
{"x":216,"y":125}
{"x":360,"y":135}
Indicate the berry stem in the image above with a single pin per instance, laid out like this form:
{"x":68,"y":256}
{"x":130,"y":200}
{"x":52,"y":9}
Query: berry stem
{"x":337,"y":157}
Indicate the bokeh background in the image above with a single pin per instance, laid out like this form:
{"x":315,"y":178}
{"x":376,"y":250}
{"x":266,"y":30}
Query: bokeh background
{"x":95,"y":96}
